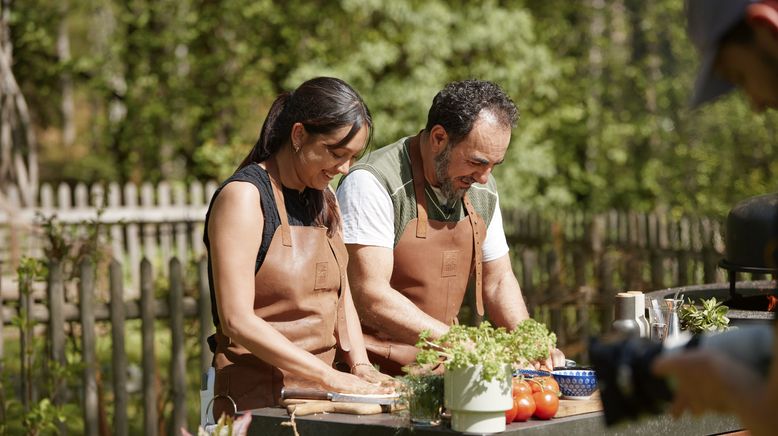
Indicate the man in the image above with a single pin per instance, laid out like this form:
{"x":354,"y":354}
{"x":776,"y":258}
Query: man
{"x":421,"y":215}
{"x":738,"y":42}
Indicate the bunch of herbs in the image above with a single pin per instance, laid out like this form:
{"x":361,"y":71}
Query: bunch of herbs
{"x":491,"y":348}
{"x":712,"y":317}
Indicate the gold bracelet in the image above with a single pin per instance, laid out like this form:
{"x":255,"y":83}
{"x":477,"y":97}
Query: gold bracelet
{"x":354,"y":366}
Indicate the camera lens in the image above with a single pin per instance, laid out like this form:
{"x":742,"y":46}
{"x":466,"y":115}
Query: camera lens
{"x":628,"y":388}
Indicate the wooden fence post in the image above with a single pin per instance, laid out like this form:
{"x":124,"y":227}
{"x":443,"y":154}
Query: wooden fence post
{"x":2,"y":324}
{"x":133,"y":241}
{"x":2,"y":344}
{"x":179,"y":199}
{"x":165,"y":230}
{"x":25,"y":309}
{"x":204,"y":310}
{"x":148,"y":315}
{"x":56,"y":330}
{"x":86,"y":297}
{"x":657,"y":253}
{"x":583,"y":299}
{"x":118,"y":354}
{"x":196,"y":198}
{"x":177,"y":358}
{"x":607,"y":290}
{"x":555,"y":291}
{"x":709,"y":255}
{"x":116,"y":230}
{"x":683,"y":252}
{"x":149,"y":230}
{"x":529,"y":263}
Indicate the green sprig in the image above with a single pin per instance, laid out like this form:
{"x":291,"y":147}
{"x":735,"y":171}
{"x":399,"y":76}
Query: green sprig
{"x":491,"y":348}
{"x":711,"y":317}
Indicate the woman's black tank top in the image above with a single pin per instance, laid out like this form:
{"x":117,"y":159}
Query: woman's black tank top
{"x":297,"y":210}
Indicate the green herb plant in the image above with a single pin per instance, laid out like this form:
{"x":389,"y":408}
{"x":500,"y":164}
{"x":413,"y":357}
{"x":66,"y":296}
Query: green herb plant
{"x":711,"y":317}
{"x":423,"y":394}
{"x":491,"y":348}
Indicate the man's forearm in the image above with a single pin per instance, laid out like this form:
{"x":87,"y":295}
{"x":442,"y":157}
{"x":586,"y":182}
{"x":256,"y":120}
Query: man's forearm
{"x":395,"y":316}
{"x":505,"y":303}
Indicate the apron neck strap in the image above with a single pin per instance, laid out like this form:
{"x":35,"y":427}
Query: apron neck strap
{"x":275,"y":183}
{"x":417,"y":170}
{"x":478,"y":254}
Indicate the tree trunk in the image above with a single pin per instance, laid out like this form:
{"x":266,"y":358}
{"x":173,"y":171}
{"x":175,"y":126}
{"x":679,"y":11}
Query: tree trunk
{"x":66,"y":79}
{"x":17,"y":138}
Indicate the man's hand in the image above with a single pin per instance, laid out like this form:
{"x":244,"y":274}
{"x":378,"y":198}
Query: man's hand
{"x":555,"y":359}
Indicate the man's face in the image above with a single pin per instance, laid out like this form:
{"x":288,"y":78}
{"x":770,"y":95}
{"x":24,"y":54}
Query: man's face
{"x":471,"y":160}
{"x":752,"y":68}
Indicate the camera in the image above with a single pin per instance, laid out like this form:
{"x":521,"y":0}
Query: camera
{"x":629,"y":389}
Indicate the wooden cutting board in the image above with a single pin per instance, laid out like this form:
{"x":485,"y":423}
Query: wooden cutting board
{"x":577,"y":407}
{"x":302,"y":407}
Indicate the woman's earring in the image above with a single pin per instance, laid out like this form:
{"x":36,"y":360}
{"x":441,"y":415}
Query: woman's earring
{"x":295,"y":147}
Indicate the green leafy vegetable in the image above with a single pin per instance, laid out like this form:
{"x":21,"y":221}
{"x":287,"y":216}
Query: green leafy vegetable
{"x":710,"y":318}
{"x":490,"y":347}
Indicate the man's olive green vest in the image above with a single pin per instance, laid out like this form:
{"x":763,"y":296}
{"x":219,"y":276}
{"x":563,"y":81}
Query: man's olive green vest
{"x":391,"y":165}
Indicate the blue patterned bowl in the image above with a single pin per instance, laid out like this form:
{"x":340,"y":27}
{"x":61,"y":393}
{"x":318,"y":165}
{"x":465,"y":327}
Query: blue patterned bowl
{"x":576,"y":384}
{"x":531,"y":373}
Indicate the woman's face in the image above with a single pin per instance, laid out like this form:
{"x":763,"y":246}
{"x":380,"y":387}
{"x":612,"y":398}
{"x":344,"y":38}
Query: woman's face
{"x":319,"y":159}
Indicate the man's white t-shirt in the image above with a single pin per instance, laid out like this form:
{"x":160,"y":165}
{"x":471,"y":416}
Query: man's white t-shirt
{"x":368,"y":216}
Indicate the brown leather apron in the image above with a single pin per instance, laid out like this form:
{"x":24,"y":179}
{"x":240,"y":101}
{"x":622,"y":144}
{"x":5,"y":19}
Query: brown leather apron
{"x":433,"y":261}
{"x":297,"y":292}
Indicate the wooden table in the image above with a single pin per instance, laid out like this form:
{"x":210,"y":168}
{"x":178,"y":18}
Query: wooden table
{"x":268,"y":422}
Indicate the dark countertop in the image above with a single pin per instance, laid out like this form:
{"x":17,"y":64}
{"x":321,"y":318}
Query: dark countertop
{"x":268,"y":422}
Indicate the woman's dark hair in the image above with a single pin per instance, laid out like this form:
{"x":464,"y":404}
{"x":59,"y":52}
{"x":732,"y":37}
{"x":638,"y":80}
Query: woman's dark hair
{"x":456,"y":107}
{"x":322,"y":105}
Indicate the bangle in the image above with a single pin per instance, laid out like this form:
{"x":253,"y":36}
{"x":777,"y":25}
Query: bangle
{"x":354,"y":366}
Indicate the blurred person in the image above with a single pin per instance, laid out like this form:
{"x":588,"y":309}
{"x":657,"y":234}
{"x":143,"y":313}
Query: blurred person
{"x":276,"y":259}
{"x":738,"y":43}
{"x":421,"y":217}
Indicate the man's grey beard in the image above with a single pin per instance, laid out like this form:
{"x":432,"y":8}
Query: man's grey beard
{"x":450,"y":194}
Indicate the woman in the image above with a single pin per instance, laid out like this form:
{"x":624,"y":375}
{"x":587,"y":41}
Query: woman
{"x":277,"y":261}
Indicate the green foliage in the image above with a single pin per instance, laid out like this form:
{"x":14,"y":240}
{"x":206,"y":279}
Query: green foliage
{"x":423,"y":395}
{"x":712,"y":317}
{"x":532,"y":342}
{"x":484,"y":345}
{"x":40,"y":374}
{"x":178,"y":89}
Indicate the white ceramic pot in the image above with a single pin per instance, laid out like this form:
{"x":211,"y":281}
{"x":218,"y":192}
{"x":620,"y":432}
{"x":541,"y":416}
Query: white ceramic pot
{"x":477,"y":406}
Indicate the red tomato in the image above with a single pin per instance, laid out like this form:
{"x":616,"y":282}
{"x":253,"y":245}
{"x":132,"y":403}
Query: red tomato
{"x":510,"y":414}
{"x":547,"y":404}
{"x":525,"y":407}
{"x":520,"y":387}
{"x":552,"y":385}
{"x":544,"y":384}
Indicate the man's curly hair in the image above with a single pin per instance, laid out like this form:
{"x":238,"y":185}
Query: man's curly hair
{"x":456,"y":107}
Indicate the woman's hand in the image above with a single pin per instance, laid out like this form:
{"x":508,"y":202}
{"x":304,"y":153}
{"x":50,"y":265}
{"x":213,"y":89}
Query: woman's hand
{"x":370,"y":374}
{"x":351,"y":384}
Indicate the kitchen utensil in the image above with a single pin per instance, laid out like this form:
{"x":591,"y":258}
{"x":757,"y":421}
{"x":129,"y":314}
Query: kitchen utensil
{"x":576,"y":384}
{"x":531,"y":373}
{"x":626,"y":315}
{"x":317,"y":394}
{"x":672,"y":317}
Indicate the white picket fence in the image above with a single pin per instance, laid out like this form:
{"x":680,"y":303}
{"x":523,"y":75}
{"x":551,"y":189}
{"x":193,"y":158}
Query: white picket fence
{"x":156,"y":222}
